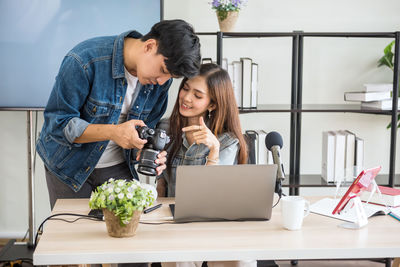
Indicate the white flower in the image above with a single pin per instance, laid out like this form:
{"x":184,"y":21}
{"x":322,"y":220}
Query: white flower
{"x":91,"y":196}
{"x":129,"y":195}
{"x":111,"y":180}
{"x":104,"y":187}
{"x":121,"y":195}
{"x":111,"y":197}
{"x":121,"y":183}
{"x":132,"y":187}
{"x":117,"y":190}
{"x":110,"y":190}
{"x":125,"y":221}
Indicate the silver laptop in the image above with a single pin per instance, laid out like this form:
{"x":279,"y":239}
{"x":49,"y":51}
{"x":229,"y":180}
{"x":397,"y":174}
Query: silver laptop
{"x":224,"y":192}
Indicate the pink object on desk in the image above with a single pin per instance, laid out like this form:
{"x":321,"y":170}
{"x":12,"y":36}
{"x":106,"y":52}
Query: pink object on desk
{"x":361,"y":183}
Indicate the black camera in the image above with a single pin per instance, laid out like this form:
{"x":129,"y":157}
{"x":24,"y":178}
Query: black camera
{"x":156,"y":141}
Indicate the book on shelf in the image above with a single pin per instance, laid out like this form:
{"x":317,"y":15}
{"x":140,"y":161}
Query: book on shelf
{"x":224,"y":64}
{"x":328,"y":156}
{"x":358,"y":155}
{"x":206,"y":60}
{"x":254,"y":84}
{"x":340,"y":153}
{"x":349,"y":154}
{"x":237,"y":82}
{"x":366,"y":96}
{"x":378,"y":87}
{"x":246,"y":82}
{"x":390,"y":196}
{"x":244,"y":77}
{"x":258,"y":152}
{"x":230,"y":72}
{"x":382,"y":104}
{"x":251,"y":139}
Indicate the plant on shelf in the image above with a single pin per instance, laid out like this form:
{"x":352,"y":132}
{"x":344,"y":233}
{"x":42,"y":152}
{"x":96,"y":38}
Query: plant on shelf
{"x":227,"y":12}
{"x":388,"y":60}
{"x":122,"y":203}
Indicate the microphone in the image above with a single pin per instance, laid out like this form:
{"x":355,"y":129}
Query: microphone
{"x":274,"y":143}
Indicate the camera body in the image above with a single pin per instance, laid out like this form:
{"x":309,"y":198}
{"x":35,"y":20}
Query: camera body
{"x":157,"y":139}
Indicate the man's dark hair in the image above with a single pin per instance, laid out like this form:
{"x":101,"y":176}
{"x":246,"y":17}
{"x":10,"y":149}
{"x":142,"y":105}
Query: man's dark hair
{"x":179,"y":44}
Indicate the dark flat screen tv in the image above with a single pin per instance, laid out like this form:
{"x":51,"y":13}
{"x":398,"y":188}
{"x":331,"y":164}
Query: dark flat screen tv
{"x":35,"y":35}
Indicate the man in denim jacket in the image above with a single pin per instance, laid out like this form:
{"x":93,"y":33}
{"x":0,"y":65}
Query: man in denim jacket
{"x":106,"y":86}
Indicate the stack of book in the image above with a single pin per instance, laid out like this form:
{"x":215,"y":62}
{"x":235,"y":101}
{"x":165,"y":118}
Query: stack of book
{"x":342,"y":156}
{"x":374,"y":95}
{"x":244,"y":77}
{"x":390,"y":196}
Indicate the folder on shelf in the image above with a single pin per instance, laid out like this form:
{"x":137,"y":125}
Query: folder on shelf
{"x":258,"y":152}
{"x":358,"y":156}
{"x":246,"y":82}
{"x":206,"y":60}
{"x":237,"y":82}
{"x":340,"y":143}
{"x":254,"y":85}
{"x":224,"y":64}
{"x":328,"y":156}
{"x":349,"y":154}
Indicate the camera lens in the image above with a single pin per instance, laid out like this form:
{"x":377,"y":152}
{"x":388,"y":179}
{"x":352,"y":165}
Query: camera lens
{"x":147,"y":165}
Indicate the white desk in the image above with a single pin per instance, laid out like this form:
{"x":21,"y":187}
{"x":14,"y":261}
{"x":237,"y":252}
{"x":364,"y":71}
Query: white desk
{"x":88,"y":242}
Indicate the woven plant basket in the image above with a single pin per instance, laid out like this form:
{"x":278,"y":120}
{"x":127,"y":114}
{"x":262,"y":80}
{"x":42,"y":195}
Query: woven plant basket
{"x":115,"y":229}
{"x":228,"y":24}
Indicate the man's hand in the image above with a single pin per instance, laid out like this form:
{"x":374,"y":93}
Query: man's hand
{"x":126,"y":135}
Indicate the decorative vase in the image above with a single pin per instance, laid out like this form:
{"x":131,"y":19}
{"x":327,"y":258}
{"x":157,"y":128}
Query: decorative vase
{"x":115,"y":229}
{"x":228,"y":23}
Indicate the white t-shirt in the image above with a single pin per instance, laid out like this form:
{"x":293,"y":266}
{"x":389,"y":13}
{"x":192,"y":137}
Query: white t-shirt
{"x":113,"y":154}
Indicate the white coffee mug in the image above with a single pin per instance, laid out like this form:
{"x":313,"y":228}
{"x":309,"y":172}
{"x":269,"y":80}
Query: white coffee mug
{"x":294,"y":209}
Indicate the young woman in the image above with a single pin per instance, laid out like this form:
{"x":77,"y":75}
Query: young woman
{"x":204,"y":126}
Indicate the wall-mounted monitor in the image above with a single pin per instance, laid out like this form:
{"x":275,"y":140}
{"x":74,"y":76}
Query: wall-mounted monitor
{"x":35,"y":35}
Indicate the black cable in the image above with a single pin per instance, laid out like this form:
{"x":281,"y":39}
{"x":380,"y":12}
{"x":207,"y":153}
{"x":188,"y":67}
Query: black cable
{"x":81,"y":216}
{"x":72,"y":221}
{"x":277,"y":201}
{"x":26,"y":233}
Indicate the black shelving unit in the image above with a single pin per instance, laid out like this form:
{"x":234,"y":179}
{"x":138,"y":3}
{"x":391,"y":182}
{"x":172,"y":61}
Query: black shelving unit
{"x":296,"y":108}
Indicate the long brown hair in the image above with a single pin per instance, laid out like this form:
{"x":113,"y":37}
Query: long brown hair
{"x":224,"y":118}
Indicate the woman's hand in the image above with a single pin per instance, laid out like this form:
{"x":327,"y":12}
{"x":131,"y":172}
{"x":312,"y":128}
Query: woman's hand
{"x":203,"y":135}
{"x":161,"y":159}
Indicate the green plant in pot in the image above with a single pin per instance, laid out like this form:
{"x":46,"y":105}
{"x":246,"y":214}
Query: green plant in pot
{"x":388,"y":60}
{"x":122,"y":203}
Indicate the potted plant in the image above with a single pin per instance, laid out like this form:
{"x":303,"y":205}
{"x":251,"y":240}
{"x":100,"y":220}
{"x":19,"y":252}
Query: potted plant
{"x":122,"y":203}
{"x":227,"y":12}
{"x":388,"y":60}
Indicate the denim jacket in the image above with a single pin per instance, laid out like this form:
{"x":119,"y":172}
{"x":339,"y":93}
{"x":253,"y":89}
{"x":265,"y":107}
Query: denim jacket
{"x":90,"y":89}
{"x":196,"y":155}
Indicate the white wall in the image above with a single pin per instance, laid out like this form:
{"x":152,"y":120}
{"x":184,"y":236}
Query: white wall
{"x":331,"y":67}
